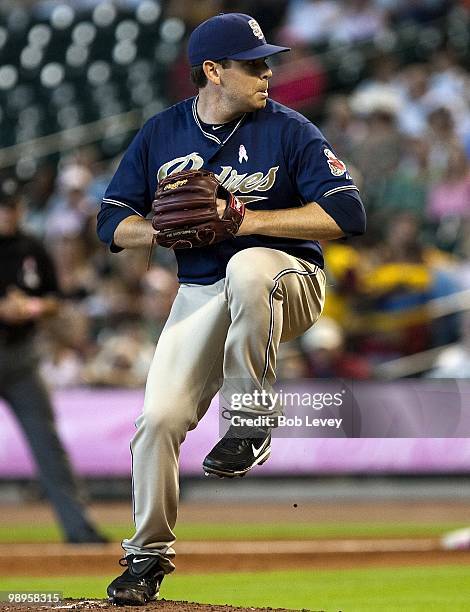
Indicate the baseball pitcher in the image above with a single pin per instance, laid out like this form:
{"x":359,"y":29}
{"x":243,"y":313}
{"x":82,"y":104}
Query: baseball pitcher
{"x":242,"y":188}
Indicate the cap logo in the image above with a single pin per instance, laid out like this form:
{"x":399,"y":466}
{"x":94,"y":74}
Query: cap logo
{"x":257,"y":31}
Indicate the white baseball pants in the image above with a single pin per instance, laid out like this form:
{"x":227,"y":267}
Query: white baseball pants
{"x":214,"y":335}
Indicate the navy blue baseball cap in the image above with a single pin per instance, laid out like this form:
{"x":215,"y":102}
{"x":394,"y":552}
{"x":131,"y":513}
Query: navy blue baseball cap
{"x":229,"y":36}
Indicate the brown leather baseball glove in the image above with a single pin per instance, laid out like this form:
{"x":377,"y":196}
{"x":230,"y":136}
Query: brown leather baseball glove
{"x":185,"y":211}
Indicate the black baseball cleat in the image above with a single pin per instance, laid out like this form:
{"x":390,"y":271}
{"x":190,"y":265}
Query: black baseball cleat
{"x":139,"y":584}
{"x":238,"y":451}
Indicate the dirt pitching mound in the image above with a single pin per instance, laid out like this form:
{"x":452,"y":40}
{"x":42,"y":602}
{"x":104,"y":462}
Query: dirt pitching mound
{"x":77,"y":605}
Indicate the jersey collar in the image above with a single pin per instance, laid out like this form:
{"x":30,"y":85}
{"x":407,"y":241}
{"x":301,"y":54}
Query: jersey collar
{"x":208,"y":134}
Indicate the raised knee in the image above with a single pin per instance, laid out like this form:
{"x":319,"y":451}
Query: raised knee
{"x":247,"y":276}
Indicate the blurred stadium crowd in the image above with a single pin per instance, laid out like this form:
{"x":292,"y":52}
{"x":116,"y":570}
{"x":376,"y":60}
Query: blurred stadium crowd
{"x":388,"y":83}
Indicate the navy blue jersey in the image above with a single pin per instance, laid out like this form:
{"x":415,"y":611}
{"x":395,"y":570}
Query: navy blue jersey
{"x":270,"y":159}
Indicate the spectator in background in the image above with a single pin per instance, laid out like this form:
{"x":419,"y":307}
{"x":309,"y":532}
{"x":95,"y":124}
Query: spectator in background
{"x":442,"y":140}
{"x":326,"y":354}
{"x":450,"y":87}
{"x":417,"y":100}
{"x":61,"y":365}
{"x":381,"y":90}
{"x":66,"y":343}
{"x":123,"y":358}
{"x":384,"y":68}
{"x":397,"y":289}
{"x":342,"y":127}
{"x":28,"y":290}
{"x":378,"y":154}
{"x":310,"y":21}
{"x":38,"y":192}
{"x":113,"y":302}
{"x":450,"y":197}
{"x":75,"y":270}
{"x":358,"y":20}
{"x":116,"y":303}
{"x":380,"y":290}
{"x":69,"y":210}
{"x":406,"y":189}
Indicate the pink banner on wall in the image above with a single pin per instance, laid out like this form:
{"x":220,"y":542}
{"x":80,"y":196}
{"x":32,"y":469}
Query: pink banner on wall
{"x":96,"y":427}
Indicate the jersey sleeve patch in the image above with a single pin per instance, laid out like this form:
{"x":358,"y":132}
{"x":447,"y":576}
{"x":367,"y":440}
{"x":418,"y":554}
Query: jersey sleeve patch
{"x":337,"y":167}
{"x":314,"y":166}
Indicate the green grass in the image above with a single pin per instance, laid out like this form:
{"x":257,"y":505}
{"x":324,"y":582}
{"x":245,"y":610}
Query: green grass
{"x":445,"y":588}
{"x":244,"y":531}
